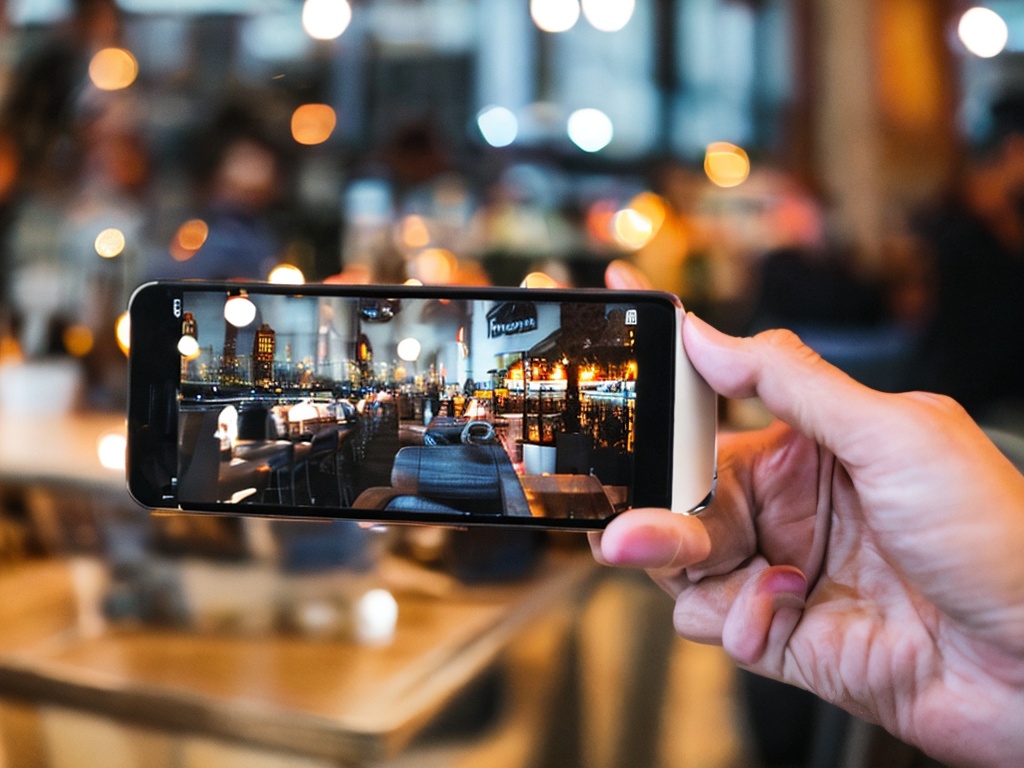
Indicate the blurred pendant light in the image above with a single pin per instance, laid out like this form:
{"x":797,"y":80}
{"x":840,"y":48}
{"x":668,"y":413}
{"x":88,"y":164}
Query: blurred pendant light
{"x":555,"y":15}
{"x":239,"y":310}
{"x":608,"y":15}
{"x":326,"y":19}
{"x":983,"y":32}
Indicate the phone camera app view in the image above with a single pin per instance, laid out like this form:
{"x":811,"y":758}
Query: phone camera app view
{"x":439,"y":407}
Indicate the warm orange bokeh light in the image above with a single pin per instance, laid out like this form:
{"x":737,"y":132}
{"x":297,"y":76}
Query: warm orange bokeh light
{"x":599,"y":221}
{"x":313,"y":123}
{"x":726,"y":164}
{"x":189,"y":238}
{"x":122,"y":330}
{"x":414,"y":232}
{"x":631,"y":229}
{"x":539,"y":280}
{"x":112,"y":69}
{"x":10,"y":166}
{"x":652,"y":207}
{"x":78,"y":340}
{"x":434,"y":266}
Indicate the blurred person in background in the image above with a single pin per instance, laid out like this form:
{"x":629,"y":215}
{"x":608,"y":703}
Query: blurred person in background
{"x":240,"y":180}
{"x":973,"y":348}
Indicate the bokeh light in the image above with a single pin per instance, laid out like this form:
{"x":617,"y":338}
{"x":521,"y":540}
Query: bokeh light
{"x":652,"y":207}
{"x":726,"y":164}
{"x":109,"y":243}
{"x":374,"y":617}
{"x":123,"y":332}
{"x":409,"y":349}
{"x":983,"y":32}
{"x":498,"y":125}
{"x":10,"y":166}
{"x":189,"y":238}
{"x":326,"y":19}
{"x":539,"y":280}
{"x":112,"y":69}
{"x":239,"y":311}
{"x":608,"y":15}
{"x":188,"y":346}
{"x":434,"y":266}
{"x":599,"y":220}
{"x":313,"y":123}
{"x":413,"y":232}
{"x":555,"y":15}
{"x":590,"y":129}
{"x":78,"y":340}
{"x":286,"y":274}
{"x":110,"y":449}
{"x":631,"y":229}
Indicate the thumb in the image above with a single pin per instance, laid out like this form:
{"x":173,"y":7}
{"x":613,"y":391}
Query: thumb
{"x":795,"y":384}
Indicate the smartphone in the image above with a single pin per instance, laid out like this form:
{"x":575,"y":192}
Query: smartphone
{"x":456,"y":406}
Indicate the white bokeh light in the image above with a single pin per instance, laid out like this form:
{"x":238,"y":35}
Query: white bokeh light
{"x":590,"y":129}
{"x":374,"y":617}
{"x":983,"y":32}
{"x":286,"y":274}
{"x":555,"y":15}
{"x":498,"y":125}
{"x":109,"y":243}
{"x":608,"y":15}
{"x":326,"y":19}
{"x":188,"y":346}
{"x":409,"y":349}
{"x":239,"y":311}
{"x":110,"y":449}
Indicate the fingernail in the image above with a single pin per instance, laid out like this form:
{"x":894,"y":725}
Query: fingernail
{"x":789,"y":589}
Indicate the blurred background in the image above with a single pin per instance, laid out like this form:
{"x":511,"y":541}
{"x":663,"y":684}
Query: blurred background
{"x":853,"y":171}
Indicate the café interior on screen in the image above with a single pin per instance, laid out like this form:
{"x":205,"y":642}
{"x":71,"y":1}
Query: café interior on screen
{"x":465,"y":407}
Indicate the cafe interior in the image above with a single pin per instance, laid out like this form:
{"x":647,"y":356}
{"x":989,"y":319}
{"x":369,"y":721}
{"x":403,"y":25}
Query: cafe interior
{"x":477,"y":408}
{"x":808,"y":164}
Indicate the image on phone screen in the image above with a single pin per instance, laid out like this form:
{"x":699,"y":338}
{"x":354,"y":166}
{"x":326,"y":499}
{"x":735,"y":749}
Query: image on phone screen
{"x":407,"y":406}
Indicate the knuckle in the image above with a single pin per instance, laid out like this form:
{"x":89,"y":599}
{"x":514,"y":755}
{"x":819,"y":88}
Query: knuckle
{"x":785,"y":340}
{"x":939,"y":406}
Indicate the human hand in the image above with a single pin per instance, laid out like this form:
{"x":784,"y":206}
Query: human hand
{"x":868,"y":547}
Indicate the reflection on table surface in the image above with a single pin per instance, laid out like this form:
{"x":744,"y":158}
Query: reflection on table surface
{"x":64,"y":449}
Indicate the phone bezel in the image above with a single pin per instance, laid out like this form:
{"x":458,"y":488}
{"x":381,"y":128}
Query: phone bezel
{"x":154,"y":380}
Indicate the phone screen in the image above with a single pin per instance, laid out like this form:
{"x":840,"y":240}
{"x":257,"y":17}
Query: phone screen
{"x":434,"y":407}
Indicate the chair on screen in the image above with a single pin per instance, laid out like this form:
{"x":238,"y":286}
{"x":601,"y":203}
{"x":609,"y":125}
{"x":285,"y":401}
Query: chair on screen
{"x":450,"y":479}
{"x":204,"y":476}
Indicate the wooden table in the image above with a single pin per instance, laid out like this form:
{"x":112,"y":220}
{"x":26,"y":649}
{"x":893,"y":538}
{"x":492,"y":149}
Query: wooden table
{"x":336,"y":700}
